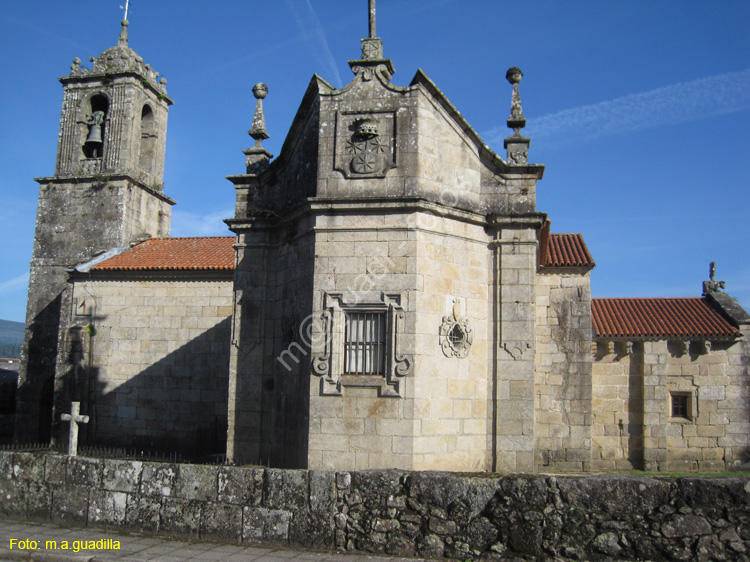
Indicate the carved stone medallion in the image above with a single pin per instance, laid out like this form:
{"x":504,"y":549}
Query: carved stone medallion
{"x":456,"y":336}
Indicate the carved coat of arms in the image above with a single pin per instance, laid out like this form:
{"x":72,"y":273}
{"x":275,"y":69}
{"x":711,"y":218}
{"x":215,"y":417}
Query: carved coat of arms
{"x":367,"y":148}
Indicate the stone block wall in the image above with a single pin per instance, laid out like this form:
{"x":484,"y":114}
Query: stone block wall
{"x":361,"y":257}
{"x":634,"y":425}
{"x":76,"y":219}
{"x":562,"y":384}
{"x":515,"y":264}
{"x":148,"y":360}
{"x":438,"y":415}
{"x":269,"y":373}
{"x":452,"y":388}
{"x":426,"y":514}
{"x":617,"y":408}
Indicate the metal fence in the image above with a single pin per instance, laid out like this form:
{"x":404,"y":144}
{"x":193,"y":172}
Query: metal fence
{"x":114,"y":453}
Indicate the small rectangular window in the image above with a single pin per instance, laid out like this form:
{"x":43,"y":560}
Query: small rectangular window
{"x":681,"y":406}
{"x":364,"y":343}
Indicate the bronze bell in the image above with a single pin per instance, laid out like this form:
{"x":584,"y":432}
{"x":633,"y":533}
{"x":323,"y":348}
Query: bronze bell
{"x":95,"y":130}
{"x":95,"y":135}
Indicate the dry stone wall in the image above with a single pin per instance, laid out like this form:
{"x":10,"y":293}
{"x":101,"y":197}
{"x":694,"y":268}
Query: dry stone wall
{"x":429,"y":514}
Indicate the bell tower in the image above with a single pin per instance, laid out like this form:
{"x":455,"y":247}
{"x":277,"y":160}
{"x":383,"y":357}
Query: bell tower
{"x":105,"y":194}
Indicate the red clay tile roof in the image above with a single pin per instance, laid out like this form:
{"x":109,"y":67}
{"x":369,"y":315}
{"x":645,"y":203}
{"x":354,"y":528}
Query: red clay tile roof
{"x":568,"y":250}
{"x":214,"y":252}
{"x":662,"y":317}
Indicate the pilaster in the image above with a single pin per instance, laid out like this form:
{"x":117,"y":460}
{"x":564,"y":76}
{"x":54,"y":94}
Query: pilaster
{"x":655,"y":405}
{"x":514,"y":316}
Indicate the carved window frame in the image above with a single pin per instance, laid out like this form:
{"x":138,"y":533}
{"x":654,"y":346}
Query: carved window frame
{"x":328,"y":359}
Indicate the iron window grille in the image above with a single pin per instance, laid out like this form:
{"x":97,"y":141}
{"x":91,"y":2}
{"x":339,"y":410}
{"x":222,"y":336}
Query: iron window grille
{"x":360,"y":343}
{"x":364,"y":343}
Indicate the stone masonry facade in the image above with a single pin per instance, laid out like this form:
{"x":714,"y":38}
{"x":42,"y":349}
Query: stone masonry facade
{"x":390,"y":297}
{"x":161,"y":350}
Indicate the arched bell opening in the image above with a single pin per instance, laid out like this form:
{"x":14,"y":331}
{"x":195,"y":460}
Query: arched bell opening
{"x":93,"y":147}
{"x":148,"y":139}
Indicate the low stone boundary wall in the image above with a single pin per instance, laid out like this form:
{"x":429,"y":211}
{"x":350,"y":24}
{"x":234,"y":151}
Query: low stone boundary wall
{"x":429,"y":514}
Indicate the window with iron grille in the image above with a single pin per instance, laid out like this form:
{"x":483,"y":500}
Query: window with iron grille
{"x":681,"y":406}
{"x":364,"y":343}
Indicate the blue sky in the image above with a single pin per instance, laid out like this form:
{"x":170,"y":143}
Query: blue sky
{"x":639,"y":109}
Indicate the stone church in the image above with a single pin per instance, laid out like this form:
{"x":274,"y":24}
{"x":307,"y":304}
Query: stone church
{"x":389,"y":296}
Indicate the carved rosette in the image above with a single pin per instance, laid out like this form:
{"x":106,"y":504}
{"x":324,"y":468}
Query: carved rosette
{"x":456,"y":336}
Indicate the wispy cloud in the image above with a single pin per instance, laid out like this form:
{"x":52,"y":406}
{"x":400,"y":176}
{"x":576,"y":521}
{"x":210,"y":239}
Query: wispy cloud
{"x":677,"y":103}
{"x":186,"y":223}
{"x":311,"y":30}
{"x":14,"y":285}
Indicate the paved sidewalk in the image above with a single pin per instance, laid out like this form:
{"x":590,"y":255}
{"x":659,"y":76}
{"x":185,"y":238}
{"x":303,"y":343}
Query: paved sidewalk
{"x":137,"y":548}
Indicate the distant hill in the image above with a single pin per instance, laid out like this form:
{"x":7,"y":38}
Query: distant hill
{"x":11,"y":332}
{"x":11,"y":338}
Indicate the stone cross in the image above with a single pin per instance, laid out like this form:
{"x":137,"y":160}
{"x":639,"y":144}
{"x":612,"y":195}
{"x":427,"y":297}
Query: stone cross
{"x":74,"y":418}
{"x":372,"y":18}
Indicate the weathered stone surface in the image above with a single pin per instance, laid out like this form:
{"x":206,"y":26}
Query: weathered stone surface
{"x":222,"y":521}
{"x":571,"y":518}
{"x":685,"y":526}
{"x":432,"y":546}
{"x":181,"y":517}
{"x":13,"y":498}
{"x":70,"y":505}
{"x":286,"y":488}
{"x":25,"y":467}
{"x":607,"y":543}
{"x":38,"y":501}
{"x":265,"y":526}
{"x":480,"y":534}
{"x":144,"y":513}
{"x":107,"y":508}
{"x":86,"y":473}
{"x":612,"y":495}
{"x":55,"y":469}
{"x":195,"y":482}
{"x":121,"y":476}
{"x":158,"y":479}
{"x":242,"y":486}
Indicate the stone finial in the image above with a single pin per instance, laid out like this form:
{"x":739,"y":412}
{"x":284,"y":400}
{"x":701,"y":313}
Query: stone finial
{"x":516,"y":120}
{"x":258,"y":129}
{"x":122,"y":41}
{"x":711,"y":285}
{"x":517,"y":144}
{"x":257,"y":157}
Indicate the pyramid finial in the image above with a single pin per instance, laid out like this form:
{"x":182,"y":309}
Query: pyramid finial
{"x":258,"y":130}
{"x":257,"y":157}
